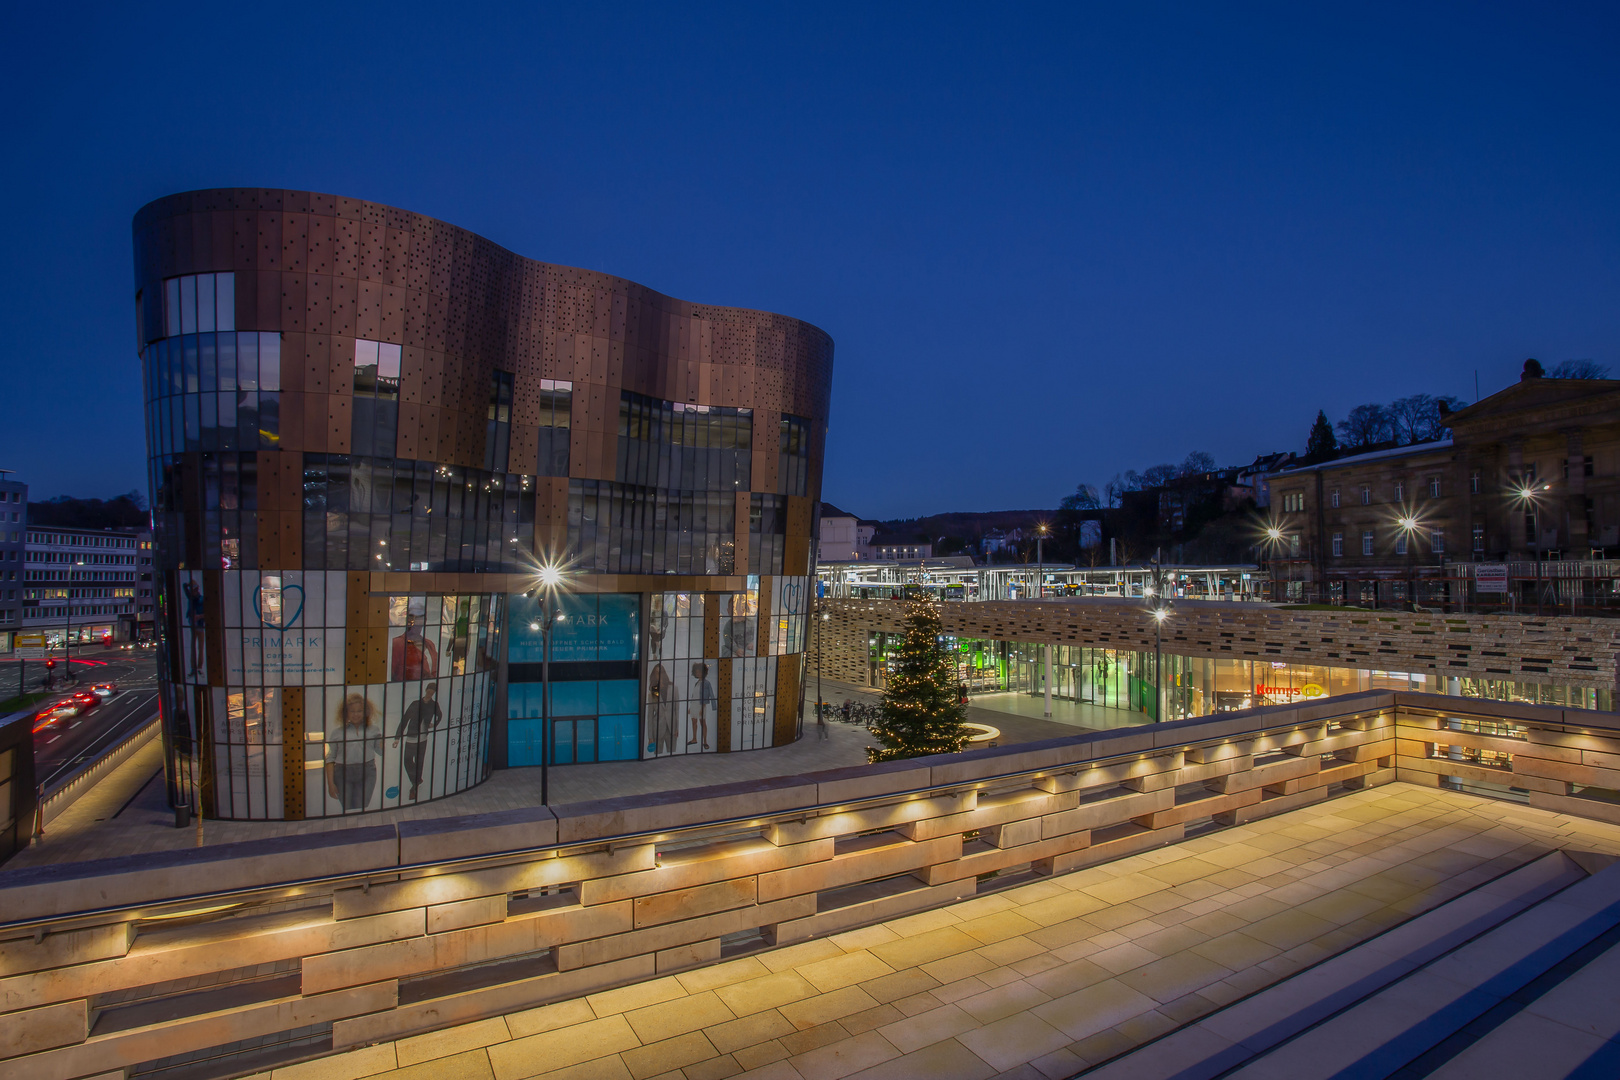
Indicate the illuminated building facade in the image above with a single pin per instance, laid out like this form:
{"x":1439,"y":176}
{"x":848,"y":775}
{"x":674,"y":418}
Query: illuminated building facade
{"x":366,"y":430}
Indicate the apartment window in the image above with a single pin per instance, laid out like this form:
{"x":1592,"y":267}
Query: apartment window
{"x":1338,"y":545}
{"x":1473,"y":482}
{"x":1367,"y":542}
{"x":1400,"y":491}
{"x":1434,"y":487}
{"x":1293,"y":544}
{"x":1333,"y":498}
{"x":1366,"y":495}
{"x":1400,"y":544}
{"x":199,"y":304}
{"x":1479,"y":538}
{"x":1437,"y":541}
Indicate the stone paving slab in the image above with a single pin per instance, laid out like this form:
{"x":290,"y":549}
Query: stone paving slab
{"x":1037,"y":981}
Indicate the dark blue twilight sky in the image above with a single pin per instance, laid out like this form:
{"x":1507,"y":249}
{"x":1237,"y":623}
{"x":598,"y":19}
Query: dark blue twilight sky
{"x":1051,"y":243}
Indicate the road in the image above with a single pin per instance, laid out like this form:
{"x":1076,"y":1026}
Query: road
{"x":58,"y":751}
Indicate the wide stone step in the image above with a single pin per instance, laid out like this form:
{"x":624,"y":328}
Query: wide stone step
{"x":1239,"y":1033}
{"x":1382,"y":1034}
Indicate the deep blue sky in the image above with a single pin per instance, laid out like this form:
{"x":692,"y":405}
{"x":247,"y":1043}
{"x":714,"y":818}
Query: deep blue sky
{"x":1050,"y":243}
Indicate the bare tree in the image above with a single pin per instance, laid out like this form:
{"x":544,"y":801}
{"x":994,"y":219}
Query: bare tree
{"x":1196,"y":464}
{"x":1579,"y":369}
{"x":1114,"y":491}
{"x":1413,"y":417}
{"x":1366,"y":425}
{"x":1084,"y":498}
{"x":1155,"y":476}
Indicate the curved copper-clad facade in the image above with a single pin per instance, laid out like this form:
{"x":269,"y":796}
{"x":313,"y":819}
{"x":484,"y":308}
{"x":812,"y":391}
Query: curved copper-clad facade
{"x":365,"y":426}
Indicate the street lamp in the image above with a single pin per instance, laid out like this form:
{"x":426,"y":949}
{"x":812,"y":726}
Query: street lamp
{"x":1408,"y":524}
{"x":548,"y":580}
{"x":1040,"y":561}
{"x":1159,"y":615}
{"x":821,"y":703}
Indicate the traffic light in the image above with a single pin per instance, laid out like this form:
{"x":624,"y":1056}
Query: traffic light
{"x":50,"y":665}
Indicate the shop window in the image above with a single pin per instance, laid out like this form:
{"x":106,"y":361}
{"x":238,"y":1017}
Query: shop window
{"x":1338,"y":544}
{"x":1367,"y":542}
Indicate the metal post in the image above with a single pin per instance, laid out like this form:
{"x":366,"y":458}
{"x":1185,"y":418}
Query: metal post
{"x":1040,"y":578}
{"x":820,"y":705}
{"x":1158,"y":677}
{"x":545,"y":700}
{"x":1048,"y":680}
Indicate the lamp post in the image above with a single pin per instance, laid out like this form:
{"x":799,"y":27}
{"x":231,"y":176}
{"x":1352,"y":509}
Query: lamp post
{"x":1040,"y":561}
{"x":549,"y":579}
{"x":1160,"y":613}
{"x":1408,"y":525}
{"x":821,"y":703}
{"x":1274,"y":537}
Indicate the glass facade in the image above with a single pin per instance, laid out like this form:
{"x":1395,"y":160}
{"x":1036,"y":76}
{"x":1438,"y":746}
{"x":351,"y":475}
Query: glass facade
{"x":1196,"y":686}
{"x":594,"y":678}
{"x":282,"y":722}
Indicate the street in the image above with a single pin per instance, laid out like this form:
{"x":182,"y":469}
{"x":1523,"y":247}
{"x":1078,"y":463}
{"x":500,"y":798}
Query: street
{"x":61,"y":749}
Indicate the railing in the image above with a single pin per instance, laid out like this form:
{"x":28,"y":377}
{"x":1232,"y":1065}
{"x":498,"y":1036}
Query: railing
{"x":340,"y":939}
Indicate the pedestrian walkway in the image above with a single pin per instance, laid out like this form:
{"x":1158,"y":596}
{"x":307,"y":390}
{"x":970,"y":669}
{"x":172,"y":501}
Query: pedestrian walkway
{"x":128,"y":814}
{"x":1035,"y":982}
{"x":1069,"y":713}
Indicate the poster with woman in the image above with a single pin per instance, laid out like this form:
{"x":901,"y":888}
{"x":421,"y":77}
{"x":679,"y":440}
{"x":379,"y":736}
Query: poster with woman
{"x":354,"y":749}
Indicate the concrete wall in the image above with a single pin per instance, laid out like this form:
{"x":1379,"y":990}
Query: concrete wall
{"x":386,"y":931}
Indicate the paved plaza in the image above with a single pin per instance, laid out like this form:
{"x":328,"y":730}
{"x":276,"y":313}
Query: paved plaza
{"x":1035,"y":982}
{"x":126,"y":814}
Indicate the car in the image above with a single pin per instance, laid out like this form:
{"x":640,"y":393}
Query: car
{"x":53,"y":714}
{"x":84,"y":699}
{"x":104,"y":690}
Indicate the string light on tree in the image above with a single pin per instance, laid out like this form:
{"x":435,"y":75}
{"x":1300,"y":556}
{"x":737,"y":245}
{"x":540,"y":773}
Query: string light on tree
{"x":922,"y":713}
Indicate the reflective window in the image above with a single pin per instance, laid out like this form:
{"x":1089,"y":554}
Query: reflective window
{"x":199,"y":304}
{"x":793,"y":467}
{"x":498,"y":427}
{"x":556,"y":403}
{"x":767,"y":533}
{"x":673,"y":445}
{"x":628,"y":529}
{"x":375,"y":430}
{"x":213,"y":391}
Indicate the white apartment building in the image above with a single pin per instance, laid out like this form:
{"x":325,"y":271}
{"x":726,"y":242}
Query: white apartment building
{"x":88,"y":585}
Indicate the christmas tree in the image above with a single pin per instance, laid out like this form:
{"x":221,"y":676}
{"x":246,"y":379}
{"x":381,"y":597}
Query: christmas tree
{"x":921,"y":711}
